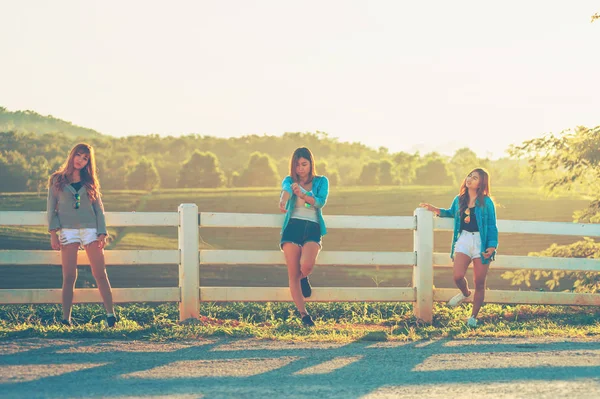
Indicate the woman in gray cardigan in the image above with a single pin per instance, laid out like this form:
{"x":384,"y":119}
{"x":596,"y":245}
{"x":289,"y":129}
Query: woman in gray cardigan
{"x":76,"y":219}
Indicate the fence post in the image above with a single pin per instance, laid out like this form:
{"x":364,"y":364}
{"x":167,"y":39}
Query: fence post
{"x":423,"y":271}
{"x":189,"y":262}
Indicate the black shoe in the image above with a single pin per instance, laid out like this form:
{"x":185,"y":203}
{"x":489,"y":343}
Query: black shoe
{"x":308,"y":321}
{"x":111,"y":320}
{"x":306,"y":288}
{"x":65,"y":322}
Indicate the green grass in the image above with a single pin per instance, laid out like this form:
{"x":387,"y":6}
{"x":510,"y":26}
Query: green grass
{"x":335,"y":322}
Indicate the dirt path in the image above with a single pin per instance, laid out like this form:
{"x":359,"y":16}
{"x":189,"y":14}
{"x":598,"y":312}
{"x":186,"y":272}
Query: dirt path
{"x":223,"y":368}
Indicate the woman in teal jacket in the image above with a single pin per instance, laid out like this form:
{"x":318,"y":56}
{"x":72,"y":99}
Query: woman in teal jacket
{"x":303,"y":195}
{"x":475,"y":237}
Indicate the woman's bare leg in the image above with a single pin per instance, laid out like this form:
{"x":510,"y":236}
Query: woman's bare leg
{"x":292,"y":254}
{"x":461,"y":263}
{"x":96,"y":257}
{"x":68,"y":255}
{"x":480,"y":272}
{"x":310,"y":251}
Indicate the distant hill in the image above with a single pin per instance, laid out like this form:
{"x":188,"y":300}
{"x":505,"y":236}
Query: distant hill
{"x":32,"y":122}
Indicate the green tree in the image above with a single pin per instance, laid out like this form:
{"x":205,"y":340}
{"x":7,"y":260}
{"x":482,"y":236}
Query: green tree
{"x":39,"y":170}
{"x":168,"y":173}
{"x":406,"y":166}
{"x":512,"y":172}
{"x":434,"y":173}
{"x":143,"y":176}
{"x":463,"y":161}
{"x":201,"y":170}
{"x":386,"y":177}
{"x":332,"y":175}
{"x":283,"y":167}
{"x":349,"y":169}
{"x":113,"y":167}
{"x":369,"y":176}
{"x":261,"y":171}
{"x":14,"y":174}
{"x":570,"y":160}
{"x":235,"y":180}
{"x":573,"y":159}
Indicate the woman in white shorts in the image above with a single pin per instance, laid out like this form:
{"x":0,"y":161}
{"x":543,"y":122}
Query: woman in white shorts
{"x":475,"y":236}
{"x":76,"y":219}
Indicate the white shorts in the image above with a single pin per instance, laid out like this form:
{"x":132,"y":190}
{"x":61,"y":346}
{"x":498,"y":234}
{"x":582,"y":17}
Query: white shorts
{"x":469,"y":243}
{"x":82,"y":236}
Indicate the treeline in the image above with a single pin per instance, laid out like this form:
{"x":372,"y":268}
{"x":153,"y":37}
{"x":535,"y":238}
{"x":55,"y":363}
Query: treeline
{"x":150,"y":162}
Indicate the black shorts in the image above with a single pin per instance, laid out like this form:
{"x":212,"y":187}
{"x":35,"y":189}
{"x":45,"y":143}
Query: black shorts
{"x":300,"y":231}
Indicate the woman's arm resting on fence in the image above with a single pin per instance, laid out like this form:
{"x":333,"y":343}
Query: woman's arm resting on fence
{"x":430,"y":208}
{"x":449,"y":213}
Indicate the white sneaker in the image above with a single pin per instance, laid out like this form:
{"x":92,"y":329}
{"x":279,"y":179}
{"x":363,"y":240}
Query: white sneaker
{"x":472,"y":322}
{"x":457,"y":300}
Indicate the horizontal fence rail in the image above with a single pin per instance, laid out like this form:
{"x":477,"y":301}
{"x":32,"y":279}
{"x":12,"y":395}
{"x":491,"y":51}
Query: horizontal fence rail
{"x":529,"y":227}
{"x":515,"y":262}
{"x":18,"y":218}
{"x":237,"y":220}
{"x":526,"y":297}
{"x":321,"y":294}
{"x":114,"y":257}
{"x":190,"y":259}
{"x":88,"y":295}
{"x":326,"y":258}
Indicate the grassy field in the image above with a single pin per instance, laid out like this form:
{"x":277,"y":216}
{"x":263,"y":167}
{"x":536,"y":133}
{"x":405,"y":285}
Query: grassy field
{"x":335,"y":322}
{"x":515,"y":204}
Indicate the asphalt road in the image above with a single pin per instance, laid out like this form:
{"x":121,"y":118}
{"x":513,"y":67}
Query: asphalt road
{"x":225,"y":368}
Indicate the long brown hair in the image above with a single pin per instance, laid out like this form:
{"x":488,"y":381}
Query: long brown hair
{"x":305,"y":153}
{"x":483,"y":190}
{"x":59,"y":179}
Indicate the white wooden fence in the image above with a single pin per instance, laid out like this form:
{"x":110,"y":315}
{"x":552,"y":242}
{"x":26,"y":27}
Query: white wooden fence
{"x":189,"y":293}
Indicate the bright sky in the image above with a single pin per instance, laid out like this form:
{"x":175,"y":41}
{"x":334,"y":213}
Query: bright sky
{"x":408,"y":75}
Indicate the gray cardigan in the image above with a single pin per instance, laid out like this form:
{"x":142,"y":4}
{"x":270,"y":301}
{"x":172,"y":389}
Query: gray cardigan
{"x":62,"y":213}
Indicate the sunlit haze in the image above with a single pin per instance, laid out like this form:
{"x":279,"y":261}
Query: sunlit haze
{"x":427,"y":76}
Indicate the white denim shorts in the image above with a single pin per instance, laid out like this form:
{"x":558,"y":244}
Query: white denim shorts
{"x":469,"y":243}
{"x":82,"y":236}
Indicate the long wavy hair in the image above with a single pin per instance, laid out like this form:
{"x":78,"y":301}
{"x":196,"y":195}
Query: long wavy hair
{"x":305,"y":153}
{"x":482,"y":191}
{"x":59,"y":179}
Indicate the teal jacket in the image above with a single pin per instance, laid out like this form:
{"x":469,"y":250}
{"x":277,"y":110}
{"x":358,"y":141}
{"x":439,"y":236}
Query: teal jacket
{"x":320,"y":191}
{"x":486,"y":222}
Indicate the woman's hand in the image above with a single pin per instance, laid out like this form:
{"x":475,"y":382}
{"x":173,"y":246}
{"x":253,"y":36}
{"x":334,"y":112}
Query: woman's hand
{"x":282,"y":206}
{"x":101,"y":241}
{"x":488,"y":252}
{"x":54,"y":241}
{"x":430,"y":208}
{"x":283,"y":200}
{"x":297,"y":190}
